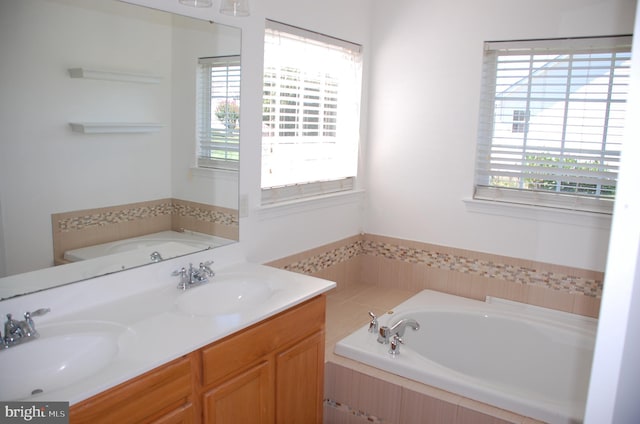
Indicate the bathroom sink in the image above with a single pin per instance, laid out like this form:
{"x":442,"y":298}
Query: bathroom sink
{"x":64,"y":354}
{"x":226,"y":295}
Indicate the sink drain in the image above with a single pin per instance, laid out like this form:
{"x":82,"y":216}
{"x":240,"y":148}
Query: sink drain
{"x":36,"y":391}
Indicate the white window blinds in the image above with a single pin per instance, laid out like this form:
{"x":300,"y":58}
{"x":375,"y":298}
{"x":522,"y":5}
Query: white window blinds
{"x":218,"y":121}
{"x":311,"y":113}
{"x":551,"y":121}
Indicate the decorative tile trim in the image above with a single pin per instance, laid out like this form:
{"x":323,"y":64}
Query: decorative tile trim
{"x":172,"y":207}
{"x":77,"y":223}
{"x":356,"y":413}
{"x":327,"y":259}
{"x":206,"y":215}
{"x":456,"y":263}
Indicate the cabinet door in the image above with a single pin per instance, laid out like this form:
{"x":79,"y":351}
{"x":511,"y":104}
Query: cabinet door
{"x":299,"y":382}
{"x":142,"y":399}
{"x":246,"y":398}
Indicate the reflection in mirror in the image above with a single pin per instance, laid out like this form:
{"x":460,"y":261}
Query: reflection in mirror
{"x":101,"y":165}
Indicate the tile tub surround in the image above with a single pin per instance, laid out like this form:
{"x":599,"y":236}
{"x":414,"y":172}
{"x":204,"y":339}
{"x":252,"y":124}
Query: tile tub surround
{"x":88,"y":227}
{"x":375,"y":273}
{"x":414,"y":266}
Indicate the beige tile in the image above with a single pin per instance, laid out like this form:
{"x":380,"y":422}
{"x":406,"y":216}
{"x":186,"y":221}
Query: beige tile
{"x":381,"y":299}
{"x":507,"y":290}
{"x":339,"y":416}
{"x":549,"y":298}
{"x":418,"y":408}
{"x":472,"y":406}
{"x":586,"y":305}
{"x":469,"y":286}
{"x":369,"y":269}
{"x":468,"y":416}
{"x":369,"y":395}
{"x":391,"y":273}
{"x":438,"y":279}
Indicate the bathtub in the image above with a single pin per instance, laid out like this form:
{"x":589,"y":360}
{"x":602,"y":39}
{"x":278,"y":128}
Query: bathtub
{"x":529,"y":360}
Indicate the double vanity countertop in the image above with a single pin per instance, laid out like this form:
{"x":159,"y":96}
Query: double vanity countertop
{"x":105,"y":331}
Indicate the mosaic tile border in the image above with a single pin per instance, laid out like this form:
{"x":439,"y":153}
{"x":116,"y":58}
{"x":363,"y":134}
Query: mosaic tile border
{"x":78,"y":223}
{"x":456,"y":263}
{"x":206,"y":215}
{"x":364,"y":416}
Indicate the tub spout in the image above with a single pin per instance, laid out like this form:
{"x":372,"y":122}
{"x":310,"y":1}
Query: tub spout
{"x":385,"y":333}
{"x":399,"y":327}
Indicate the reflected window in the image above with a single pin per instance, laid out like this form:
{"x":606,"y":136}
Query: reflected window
{"x":218,"y":122}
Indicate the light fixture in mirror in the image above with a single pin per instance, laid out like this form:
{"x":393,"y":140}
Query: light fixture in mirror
{"x":234,"y":7}
{"x":197,"y":3}
{"x":93,"y":202}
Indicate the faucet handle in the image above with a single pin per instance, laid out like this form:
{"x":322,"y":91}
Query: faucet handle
{"x":184,"y":277}
{"x":31,"y":327}
{"x":179,"y":272}
{"x":373,"y":325}
{"x":394,"y":345}
{"x":206,"y":269}
{"x":37,"y":312}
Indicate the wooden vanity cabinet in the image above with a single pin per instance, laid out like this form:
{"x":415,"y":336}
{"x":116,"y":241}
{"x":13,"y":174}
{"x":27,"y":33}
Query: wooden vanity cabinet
{"x":271,"y":372}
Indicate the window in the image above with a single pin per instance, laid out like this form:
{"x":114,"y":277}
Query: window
{"x":520,"y":120}
{"x":551,"y":122}
{"x":218,"y":121}
{"x":311,"y":113}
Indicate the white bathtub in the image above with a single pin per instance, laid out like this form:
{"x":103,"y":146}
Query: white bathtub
{"x":529,"y":360}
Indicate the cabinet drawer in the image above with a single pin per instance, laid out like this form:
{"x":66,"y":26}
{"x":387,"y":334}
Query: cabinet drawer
{"x":145,"y":397}
{"x":236,"y":352}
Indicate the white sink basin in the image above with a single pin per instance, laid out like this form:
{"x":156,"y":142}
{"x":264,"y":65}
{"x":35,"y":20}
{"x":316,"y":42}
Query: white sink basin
{"x":64,"y":354}
{"x":229,"y":294}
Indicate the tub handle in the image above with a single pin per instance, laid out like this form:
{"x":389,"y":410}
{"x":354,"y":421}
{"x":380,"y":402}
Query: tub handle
{"x":373,"y":325}
{"x":394,"y":345}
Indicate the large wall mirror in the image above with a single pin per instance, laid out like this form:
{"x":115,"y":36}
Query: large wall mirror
{"x":105,"y":109}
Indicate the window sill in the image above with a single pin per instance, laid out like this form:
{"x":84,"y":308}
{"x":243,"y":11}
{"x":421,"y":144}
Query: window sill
{"x":215,"y":174}
{"x":310,"y":204}
{"x":561,"y":216}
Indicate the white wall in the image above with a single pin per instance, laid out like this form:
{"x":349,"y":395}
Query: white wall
{"x":615,"y":377}
{"x":424,"y":99}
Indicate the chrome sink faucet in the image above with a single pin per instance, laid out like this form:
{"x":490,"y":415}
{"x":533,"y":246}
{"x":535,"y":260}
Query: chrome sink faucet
{"x":386,"y":333}
{"x":16,"y":332}
{"x":193,"y":276}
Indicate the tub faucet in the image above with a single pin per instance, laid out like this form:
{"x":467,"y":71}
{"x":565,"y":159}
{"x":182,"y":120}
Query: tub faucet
{"x":385,"y":333}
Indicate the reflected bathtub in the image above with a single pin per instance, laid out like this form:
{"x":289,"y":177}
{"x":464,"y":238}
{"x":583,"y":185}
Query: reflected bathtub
{"x":529,"y":360}
{"x":175,"y":243}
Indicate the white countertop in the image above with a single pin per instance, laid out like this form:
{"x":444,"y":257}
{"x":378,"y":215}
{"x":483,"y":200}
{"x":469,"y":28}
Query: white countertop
{"x":154,"y":329}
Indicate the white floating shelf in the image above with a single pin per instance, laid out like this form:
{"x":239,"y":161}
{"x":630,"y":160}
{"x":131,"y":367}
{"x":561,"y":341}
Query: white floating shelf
{"x":114,"y":76}
{"x":114,"y":127}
